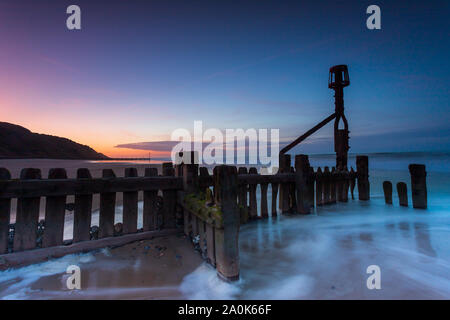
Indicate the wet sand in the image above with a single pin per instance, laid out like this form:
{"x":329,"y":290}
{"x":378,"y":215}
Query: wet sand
{"x":149,"y":269}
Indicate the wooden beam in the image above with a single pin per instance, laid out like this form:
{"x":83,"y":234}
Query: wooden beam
{"x":53,"y":187}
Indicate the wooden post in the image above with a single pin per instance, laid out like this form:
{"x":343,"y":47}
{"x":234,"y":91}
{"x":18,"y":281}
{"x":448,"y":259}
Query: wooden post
{"x":339,"y":185}
{"x":319,"y":187}
{"x":83,"y":209}
{"x":345,"y":184}
{"x":333,"y":183}
{"x":190,"y":173}
{"x":326,"y":185}
{"x":194,"y":225}
{"x":352,"y":182}
{"x":402,"y":191}
{"x":252,"y":194}
{"x":107,"y":210}
{"x":285,"y":166}
{"x":210,"y":245}
{"x":242,"y":198}
{"x":169,"y":199}
{"x":227,"y":239}
{"x":310,"y":185}
{"x":418,"y":185}
{"x":292,"y":195}
{"x":190,"y":176}
{"x":301,"y":186}
{"x":264,"y":210}
{"x":55,"y":209}
{"x":130,"y":205}
{"x":387,"y":189}
{"x":204,"y":173}
{"x":274,"y":199}
{"x":362,"y":173}
{"x":202,"y":233}
{"x":27,"y":216}
{"x":5,"y":215}
{"x":150,"y":211}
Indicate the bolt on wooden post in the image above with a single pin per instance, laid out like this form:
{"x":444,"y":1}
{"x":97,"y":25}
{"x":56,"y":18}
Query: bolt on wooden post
{"x":227,"y":238}
{"x":418,"y":185}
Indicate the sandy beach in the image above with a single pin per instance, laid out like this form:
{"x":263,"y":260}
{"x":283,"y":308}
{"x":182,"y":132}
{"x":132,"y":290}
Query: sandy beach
{"x":149,"y":269}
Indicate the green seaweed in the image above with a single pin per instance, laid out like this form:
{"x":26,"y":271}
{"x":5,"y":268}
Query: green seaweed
{"x":198,"y":202}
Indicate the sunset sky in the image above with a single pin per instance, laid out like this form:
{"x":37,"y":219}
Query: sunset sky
{"x":140,"y":69}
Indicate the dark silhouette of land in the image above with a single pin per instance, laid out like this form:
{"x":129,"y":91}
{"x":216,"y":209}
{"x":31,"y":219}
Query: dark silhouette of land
{"x":17,"y":142}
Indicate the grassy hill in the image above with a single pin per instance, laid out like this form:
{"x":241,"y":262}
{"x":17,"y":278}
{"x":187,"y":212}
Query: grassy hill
{"x":17,"y":142}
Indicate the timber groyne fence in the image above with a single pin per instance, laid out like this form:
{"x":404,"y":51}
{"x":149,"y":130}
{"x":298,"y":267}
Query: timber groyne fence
{"x":208,"y":208}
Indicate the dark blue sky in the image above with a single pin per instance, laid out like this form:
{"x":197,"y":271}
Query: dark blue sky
{"x":140,"y":69}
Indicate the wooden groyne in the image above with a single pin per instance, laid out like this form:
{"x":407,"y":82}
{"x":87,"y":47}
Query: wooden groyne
{"x":30,"y":240}
{"x":208,"y":208}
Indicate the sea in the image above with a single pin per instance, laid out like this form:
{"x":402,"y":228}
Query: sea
{"x":329,"y":254}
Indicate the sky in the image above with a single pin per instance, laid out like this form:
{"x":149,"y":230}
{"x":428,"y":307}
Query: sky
{"x":138,"y":70}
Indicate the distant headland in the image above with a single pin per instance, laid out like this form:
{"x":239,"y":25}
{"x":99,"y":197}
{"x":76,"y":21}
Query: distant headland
{"x":17,"y":142}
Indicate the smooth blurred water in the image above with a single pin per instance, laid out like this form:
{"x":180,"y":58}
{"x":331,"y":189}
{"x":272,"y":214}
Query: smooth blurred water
{"x":325,"y":255}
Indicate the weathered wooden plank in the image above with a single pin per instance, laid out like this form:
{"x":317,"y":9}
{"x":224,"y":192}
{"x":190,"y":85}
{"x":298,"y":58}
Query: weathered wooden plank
{"x":301,"y":172}
{"x":52,"y":187}
{"x":292,"y":195}
{"x":194,"y":225}
{"x":362,"y":173}
{"x":210,"y":245}
{"x":285,"y":167}
{"x":264,"y":209}
{"x":169,"y":201}
{"x":253,"y":208}
{"x":130,"y":205}
{"x":339,"y":186}
{"x":242,"y":196}
{"x":202,"y":234}
{"x":310,"y":179}
{"x":83,"y":210}
{"x":319,"y":187}
{"x":227,"y":239}
{"x":333,"y":183}
{"x":387,"y":190}
{"x":418,"y":185}
{"x":345,"y":184}
{"x":402,"y":191}
{"x":274,"y":199}
{"x":187,"y":222}
{"x":352,"y":182}
{"x":5,"y":214}
{"x":107,"y":208}
{"x":150,"y":212}
{"x":27,"y":216}
{"x":253,"y":179}
{"x":326,"y":185}
{"x":55,"y":209}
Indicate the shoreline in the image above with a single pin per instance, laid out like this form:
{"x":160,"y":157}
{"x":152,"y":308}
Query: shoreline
{"x":145,"y":269}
